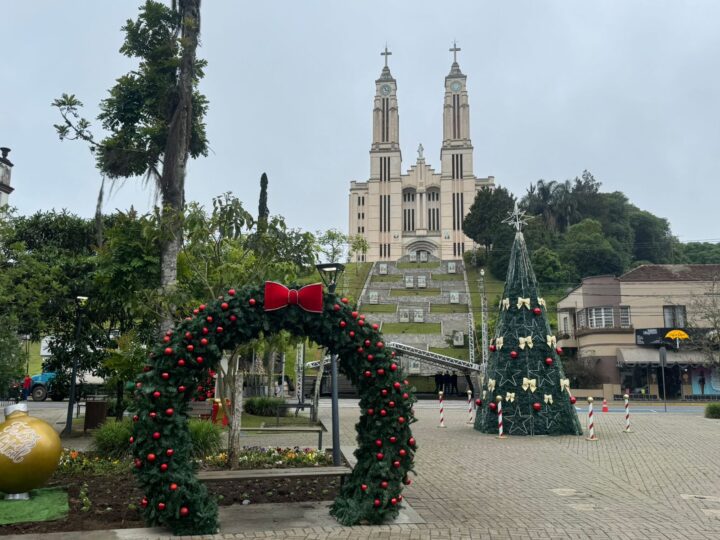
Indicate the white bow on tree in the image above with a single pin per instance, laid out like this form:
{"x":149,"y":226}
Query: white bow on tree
{"x":565,"y":385}
{"x":510,"y":397}
{"x":491,"y":385}
{"x":525,"y":341}
{"x":541,"y":302}
{"x":499,"y":343}
{"x":505,"y":304}
{"x":551,"y":341}
{"x":548,"y":398}
{"x":529,"y":383}
{"x":523,"y":302}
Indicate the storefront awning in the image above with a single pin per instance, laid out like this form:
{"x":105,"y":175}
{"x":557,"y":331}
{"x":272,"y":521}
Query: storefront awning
{"x":638,"y":356}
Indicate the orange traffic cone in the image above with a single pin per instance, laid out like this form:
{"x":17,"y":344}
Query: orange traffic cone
{"x":605,"y":406}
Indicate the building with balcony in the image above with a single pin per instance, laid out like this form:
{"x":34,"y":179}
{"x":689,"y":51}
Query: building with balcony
{"x":617,"y":325}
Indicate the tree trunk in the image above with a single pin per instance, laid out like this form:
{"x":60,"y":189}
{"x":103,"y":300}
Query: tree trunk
{"x":236,"y":420}
{"x":271,"y":375}
{"x":175,"y":156}
{"x":318,"y":383}
{"x":119,"y":391}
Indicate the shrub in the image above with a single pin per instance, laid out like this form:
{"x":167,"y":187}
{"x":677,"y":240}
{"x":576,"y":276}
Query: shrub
{"x":712,"y":410}
{"x":206,"y":437}
{"x":264,"y":406}
{"x":112,"y":438}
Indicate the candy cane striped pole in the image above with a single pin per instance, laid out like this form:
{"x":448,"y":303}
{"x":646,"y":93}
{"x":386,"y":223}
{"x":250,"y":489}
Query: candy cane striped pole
{"x":627,"y":414}
{"x":500,"y":420}
{"x":591,"y":421}
{"x":442,"y":410}
{"x":470,"y":407}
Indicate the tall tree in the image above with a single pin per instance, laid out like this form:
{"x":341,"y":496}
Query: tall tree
{"x":263,"y":210}
{"x":332,"y":244}
{"x":154,"y":115}
{"x":484,"y":220}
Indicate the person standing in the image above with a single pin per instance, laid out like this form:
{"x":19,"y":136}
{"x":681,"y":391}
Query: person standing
{"x":438,"y":381}
{"x":27,"y":384}
{"x":701,"y":382}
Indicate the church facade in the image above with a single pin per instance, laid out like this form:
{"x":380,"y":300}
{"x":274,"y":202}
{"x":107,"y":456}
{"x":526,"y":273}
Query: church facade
{"x":418,"y":213}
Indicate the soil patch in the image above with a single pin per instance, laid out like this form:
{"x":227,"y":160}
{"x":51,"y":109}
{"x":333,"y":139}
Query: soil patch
{"x":111,"y":507}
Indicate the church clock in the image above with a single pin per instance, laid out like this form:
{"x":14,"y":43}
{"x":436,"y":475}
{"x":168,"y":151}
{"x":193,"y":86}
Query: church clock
{"x":455,"y":87}
{"x":385,"y":89}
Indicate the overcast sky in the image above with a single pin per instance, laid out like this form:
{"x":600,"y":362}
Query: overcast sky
{"x":627,"y":89}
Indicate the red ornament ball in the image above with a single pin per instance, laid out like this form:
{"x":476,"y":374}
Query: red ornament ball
{"x":573,"y":400}
{"x":559,"y":350}
{"x":384,"y":484}
{"x":166,"y":339}
{"x":361,"y":323}
{"x":184,"y":512}
{"x":405,"y":395}
{"x":138,"y":464}
{"x":368,"y":374}
{"x":354,"y":314}
{"x":219,"y":330}
{"x":132,"y":440}
{"x":375,"y":326}
{"x":383,"y":412}
{"x":363,"y":487}
{"x":351,"y":334}
{"x":156,"y":435}
{"x":411,"y":441}
{"x":513,"y":354}
{"x":379,"y":344}
{"x":378,"y":442}
{"x":336,"y":307}
{"x":371,"y":412}
{"x":252,"y":301}
{"x":233,"y":318}
{"x":384,"y":392}
{"x":181,"y":389}
{"x":396,"y":464}
{"x":478,"y":402}
{"x":173,"y":486}
{"x":367,"y":342}
{"x":548,"y":361}
{"x":136,"y":418}
{"x":164,"y":467}
{"x":402,"y":452}
{"x":393,"y":367}
{"x":181,"y":362}
{"x":188,"y":335}
{"x":156,"y":394}
{"x":393,"y":439}
{"x":537,"y":311}
{"x":379,"y":456}
{"x":391,"y":404}
{"x":199,"y":360}
{"x":537,"y":406}
{"x":161,"y":506}
{"x":169,"y":452}
{"x":344,"y":300}
{"x":138,"y":385}
{"x":224,"y":306}
{"x":370,"y":357}
{"x":343,"y":324}
{"x":201,"y":307}
{"x":203,"y":342}
{"x":231,"y":292}
{"x":151,"y":457}
{"x":168,"y":351}
{"x":401,"y":420}
{"x":407,"y":481}
{"x":196,"y":311}
{"x":144,"y":502}
{"x":190,"y":348}
{"x":492,"y":406}
{"x":393,"y":501}
{"x":396,"y":385}
{"x":169,"y":411}
{"x":492,"y":348}
{"x":165,"y":375}
{"x":376,"y":503}
{"x":381,"y":372}
{"x":360,"y":350}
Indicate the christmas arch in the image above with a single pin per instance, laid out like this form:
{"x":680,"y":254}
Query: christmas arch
{"x":161,"y":442}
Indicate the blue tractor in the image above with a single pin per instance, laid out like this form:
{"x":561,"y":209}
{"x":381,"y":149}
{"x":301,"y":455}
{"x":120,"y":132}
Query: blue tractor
{"x":42,"y":387}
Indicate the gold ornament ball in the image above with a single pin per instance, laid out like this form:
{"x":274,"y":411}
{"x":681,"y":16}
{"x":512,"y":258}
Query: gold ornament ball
{"x":626,"y":396}
{"x":29,"y":451}
{"x":590,"y":399}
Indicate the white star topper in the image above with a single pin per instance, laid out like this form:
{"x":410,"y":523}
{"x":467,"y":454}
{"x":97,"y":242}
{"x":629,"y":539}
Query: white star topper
{"x":517,"y":218}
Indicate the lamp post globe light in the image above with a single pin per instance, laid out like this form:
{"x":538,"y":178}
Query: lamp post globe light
{"x":330,"y":274}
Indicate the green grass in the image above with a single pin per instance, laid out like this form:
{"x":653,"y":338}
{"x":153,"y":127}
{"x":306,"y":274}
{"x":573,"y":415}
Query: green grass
{"x":448,"y":308}
{"x":252,"y":421}
{"x":353,"y":280}
{"x":411,"y":328}
{"x":414,"y":292}
{"x":446,"y":277}
{"x":389,"y":278}
{"x":423,"y":265}
{"x":459,"y":353}
{"x":378,"y":308}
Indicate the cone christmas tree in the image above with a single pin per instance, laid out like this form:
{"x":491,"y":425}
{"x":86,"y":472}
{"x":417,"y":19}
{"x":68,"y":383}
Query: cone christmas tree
{"x":524,"y":373}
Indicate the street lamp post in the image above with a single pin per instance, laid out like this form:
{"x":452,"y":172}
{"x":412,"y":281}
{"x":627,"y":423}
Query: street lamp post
{"x":80,"y":303}
{"x":330,"y":273}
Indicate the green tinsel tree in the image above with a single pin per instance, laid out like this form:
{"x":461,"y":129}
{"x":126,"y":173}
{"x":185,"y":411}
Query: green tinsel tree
{"x":524,"y":370}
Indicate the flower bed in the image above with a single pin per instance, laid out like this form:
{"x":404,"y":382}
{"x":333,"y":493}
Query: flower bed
{"x":103,"y":493}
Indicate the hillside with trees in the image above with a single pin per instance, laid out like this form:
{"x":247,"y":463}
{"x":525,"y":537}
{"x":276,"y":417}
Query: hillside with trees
{"x":577,"y":230}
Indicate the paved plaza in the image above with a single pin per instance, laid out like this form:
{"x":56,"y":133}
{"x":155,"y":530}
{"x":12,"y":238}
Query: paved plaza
{"x":661,"y":481}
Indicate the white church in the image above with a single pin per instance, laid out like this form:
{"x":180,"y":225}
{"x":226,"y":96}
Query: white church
{"x":419,"y":213}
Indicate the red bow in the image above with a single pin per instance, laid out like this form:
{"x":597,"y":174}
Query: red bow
{"x":309,"y":298}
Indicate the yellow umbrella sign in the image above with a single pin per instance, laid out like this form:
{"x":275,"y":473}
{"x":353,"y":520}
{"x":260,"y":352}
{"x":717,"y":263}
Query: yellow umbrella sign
{"x":676,"y":334}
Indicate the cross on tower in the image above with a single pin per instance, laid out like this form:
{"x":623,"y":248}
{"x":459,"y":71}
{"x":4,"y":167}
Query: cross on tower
{"x":455,"y":50}
{"x":386,"y":53}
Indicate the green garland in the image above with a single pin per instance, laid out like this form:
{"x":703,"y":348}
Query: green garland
{"x":161,"y":442}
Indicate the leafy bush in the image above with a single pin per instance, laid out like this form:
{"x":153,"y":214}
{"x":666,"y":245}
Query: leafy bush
{"x":256,"y":457}
{"x":206,"y":437}
{"x":76,"y":462}
{"x":712,"y":410}
{"x":264,"y":406}
{"x":112,"y":438}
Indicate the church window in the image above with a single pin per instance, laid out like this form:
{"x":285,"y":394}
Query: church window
{"x":456,"y":166}
{"x":456,"y":116}
{"x":385,"y":124}
{"x":384,"y":169}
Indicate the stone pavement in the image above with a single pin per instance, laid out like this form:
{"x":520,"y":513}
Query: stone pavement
{"x":661,"y":481}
